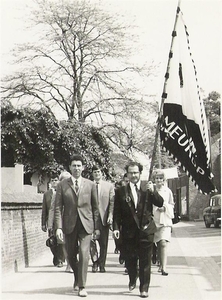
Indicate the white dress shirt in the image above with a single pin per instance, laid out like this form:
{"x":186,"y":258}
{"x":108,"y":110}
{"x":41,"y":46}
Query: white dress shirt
{"x":133,"y":189}
{"x":78,"y":181}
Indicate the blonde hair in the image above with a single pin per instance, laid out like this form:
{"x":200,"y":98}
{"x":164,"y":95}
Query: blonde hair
{"x":158,"y":172}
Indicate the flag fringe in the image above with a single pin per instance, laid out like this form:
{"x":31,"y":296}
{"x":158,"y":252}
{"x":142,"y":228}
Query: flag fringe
{"x":185,"y":170}
{"x":202,"y":109}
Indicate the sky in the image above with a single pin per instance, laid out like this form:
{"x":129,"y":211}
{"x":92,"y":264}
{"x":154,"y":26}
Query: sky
{"x":154,"y":23}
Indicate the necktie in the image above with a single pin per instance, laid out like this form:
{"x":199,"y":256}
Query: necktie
{"x":76,"y":187}
{"x":138,"y":194}
{"x":97,"y":189}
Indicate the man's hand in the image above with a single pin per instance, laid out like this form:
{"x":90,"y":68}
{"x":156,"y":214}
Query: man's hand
{"x":116,"y":234}
{"x":44,"y":228}
{"x":110,"y":220}
{"x":59,"y":235}
{"x":96,"y":234}
{"x":162,"y":209}
{"x":150,"y":186}
{"x":50,"y":232}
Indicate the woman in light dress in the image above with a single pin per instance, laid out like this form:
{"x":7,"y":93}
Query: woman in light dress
{"x":163,"y":218}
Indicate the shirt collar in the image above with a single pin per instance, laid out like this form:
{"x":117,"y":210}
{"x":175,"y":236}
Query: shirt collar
{"x":132,"y":185}
{"x":98,"y":181}
{"x":78,"y":180}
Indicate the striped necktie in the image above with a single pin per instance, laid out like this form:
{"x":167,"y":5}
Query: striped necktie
{"x":76,"y":187}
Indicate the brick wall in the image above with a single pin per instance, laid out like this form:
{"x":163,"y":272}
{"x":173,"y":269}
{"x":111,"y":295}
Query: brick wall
{"x":22,"y":239}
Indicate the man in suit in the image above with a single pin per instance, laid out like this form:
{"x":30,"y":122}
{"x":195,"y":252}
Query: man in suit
{"x":105,"y":198}
{"x":51,"y":226}
{"x":57,"y":251}
{"x":133,"y":211}
{"x":76,"y":215}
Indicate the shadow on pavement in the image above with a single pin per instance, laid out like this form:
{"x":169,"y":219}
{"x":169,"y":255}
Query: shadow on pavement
{"x":67,"y":291}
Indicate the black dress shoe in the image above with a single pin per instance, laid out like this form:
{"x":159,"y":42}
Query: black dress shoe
{"x":75,"y":286}
{"x":94,"y":268}
{"x":132,"y":286}
{"x":164,"y":273}
{"x":121,"y":261}
{"x":102,"y":270}
{"x":82,"y":292}
{"x":60,"y":264}
{"x":154,"y":259}
{"x":143,"y":294}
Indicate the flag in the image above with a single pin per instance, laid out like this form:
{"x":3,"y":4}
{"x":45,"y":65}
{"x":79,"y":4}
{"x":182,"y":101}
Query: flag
{"x":183,"y":124}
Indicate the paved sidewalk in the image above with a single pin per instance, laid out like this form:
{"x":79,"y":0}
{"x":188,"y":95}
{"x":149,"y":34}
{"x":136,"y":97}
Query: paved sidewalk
{"x":193,"y":275}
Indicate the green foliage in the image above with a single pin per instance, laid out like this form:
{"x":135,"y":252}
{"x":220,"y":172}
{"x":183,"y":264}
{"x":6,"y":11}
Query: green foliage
{"x":35,"y":139}
{"x":28,"y":137}
{"x":88,"y":141}
{"x":212,"y":108}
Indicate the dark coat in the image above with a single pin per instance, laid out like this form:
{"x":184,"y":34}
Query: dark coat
{"x":127,"y":218}
{"x":46,"y":204}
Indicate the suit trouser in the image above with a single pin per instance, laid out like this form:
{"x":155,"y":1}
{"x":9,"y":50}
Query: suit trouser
{"x":103,"y":244}
{"x":78,"y":241}
{"x":58,"y":255}
{"x":140,"y":248}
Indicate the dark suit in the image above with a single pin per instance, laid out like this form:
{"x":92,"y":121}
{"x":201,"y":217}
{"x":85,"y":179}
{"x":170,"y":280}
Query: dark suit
{"x":46,"y":204}
{"x":57,"y":250}
{"x":77,"y":215}
{"x":105,"y":204}
{"x":136,"y":240}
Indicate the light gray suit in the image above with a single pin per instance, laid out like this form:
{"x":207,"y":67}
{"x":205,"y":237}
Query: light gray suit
{"x":105,"y":204}
{"x":77,"y":215}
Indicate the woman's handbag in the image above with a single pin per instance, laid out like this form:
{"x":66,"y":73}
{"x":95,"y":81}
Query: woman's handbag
{"x":51,"y":241}
{"x":176,"y":218}
{"x":150,"y":227}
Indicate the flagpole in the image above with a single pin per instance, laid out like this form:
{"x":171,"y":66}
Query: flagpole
{"x":164,"y":93}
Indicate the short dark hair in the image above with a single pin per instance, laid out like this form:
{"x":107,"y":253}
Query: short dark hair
{"x":76,"y":157}
{"x":133,"y":164}
{"x":96,"y":167}
{"x":54,"y":176}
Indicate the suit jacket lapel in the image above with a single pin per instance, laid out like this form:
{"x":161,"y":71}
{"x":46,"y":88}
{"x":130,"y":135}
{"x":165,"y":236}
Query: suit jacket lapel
{"x":50,"y":193}
{"x":131,"y":203}
{"x":81,"y":185}
{"x":130,"y":195}
{"x":102,"y":201}
{"x":143,"y":189}
{"x":71,"y":184}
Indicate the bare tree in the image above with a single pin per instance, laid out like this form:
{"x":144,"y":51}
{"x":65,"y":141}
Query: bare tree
{"x":80,"y":66}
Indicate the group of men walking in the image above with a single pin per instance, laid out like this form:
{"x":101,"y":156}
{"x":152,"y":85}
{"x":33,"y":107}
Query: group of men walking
{"x":84,"y":211}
